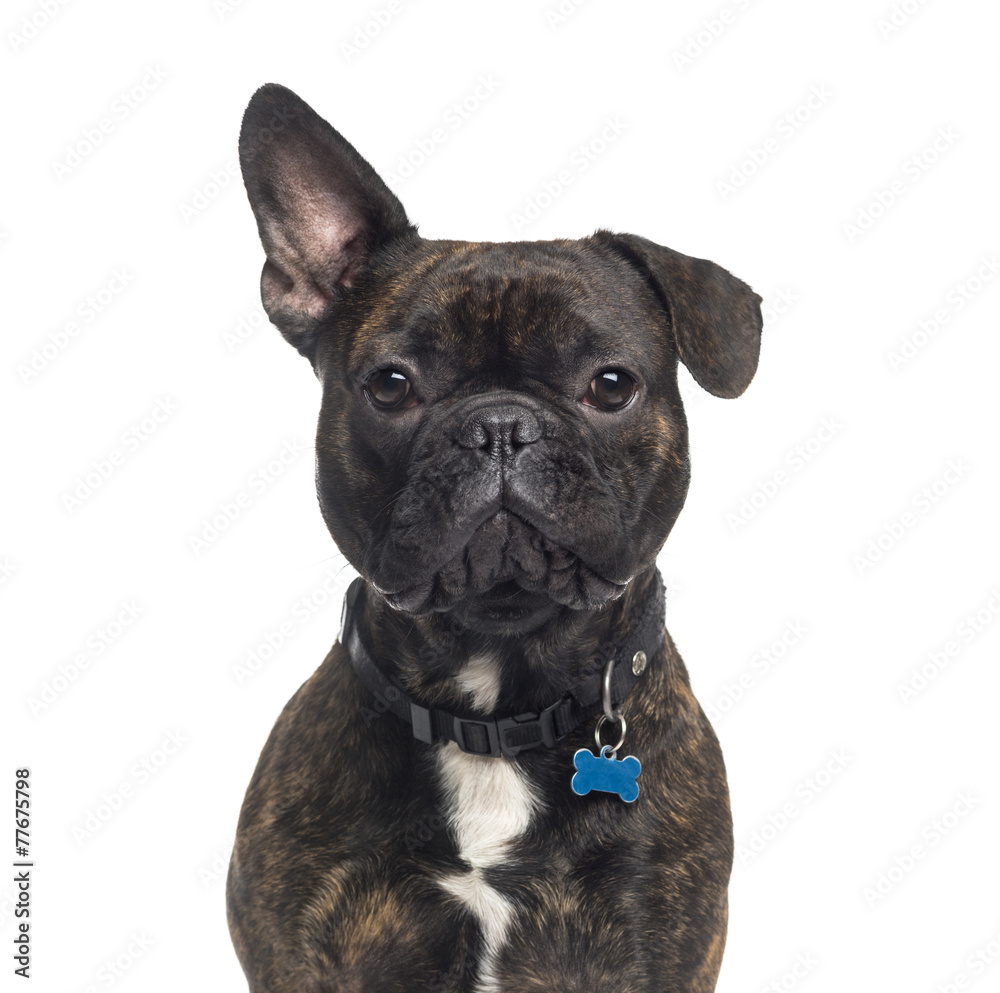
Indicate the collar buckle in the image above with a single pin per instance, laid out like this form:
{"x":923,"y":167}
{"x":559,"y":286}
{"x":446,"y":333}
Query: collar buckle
{"x":506,"y":735}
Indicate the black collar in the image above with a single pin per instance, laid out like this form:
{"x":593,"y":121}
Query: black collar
{"x":508,"y":735}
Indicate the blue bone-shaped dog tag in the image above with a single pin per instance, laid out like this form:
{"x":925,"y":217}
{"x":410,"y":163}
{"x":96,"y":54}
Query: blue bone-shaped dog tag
{"x":606,"y":774}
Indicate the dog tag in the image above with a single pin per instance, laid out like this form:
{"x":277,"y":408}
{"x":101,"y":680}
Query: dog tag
{"x":606,"y":774}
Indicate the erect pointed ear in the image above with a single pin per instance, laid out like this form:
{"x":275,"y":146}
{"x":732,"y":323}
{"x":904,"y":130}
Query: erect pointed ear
{"x":321,"y":210}
{"x":715,"y":317}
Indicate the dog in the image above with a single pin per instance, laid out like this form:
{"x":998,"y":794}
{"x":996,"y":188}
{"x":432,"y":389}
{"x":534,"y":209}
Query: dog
{"x":501,"y":453}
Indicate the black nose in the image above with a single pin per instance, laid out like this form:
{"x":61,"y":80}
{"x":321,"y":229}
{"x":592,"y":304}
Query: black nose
{"x":499,"y":429}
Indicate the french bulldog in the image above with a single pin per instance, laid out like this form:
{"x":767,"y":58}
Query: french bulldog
{"x":501,"y":454}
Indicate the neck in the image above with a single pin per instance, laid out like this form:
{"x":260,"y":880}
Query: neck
{"x":442,"y":663}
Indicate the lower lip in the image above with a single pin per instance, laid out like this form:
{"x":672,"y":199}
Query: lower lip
{"x":412,"y":599}
{"x":509,"y":605}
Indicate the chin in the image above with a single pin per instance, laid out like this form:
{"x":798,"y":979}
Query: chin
{"x":505,"y":609}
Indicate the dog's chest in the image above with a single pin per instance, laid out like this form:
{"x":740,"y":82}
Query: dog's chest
{"x":489,"y":805}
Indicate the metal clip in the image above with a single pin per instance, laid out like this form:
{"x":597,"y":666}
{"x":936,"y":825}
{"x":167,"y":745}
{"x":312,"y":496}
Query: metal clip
{"x":610,"y":715}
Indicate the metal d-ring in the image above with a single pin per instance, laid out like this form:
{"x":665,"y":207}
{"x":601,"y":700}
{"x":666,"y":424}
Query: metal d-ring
{"x":609,"y":712}
{"x":617,"y":716}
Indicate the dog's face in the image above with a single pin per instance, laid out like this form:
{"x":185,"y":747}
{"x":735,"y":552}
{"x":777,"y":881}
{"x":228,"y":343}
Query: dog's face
{"x":501,"y":432}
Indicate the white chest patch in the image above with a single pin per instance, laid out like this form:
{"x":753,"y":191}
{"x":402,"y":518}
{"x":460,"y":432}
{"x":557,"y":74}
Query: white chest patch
{"x":480,"y":678}
{"x":489,"y":804}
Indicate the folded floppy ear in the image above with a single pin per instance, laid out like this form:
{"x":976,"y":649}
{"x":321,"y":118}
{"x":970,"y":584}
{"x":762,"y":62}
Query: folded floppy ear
{"x":321,"y":210}
{"x":715,"y":317}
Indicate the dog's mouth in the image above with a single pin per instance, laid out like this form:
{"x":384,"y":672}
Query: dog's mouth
{"x":504,"y":609}
{"x":507,"y":574}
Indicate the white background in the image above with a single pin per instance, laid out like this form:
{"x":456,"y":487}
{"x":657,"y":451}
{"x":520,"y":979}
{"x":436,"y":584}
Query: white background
{"x":834,"y":776}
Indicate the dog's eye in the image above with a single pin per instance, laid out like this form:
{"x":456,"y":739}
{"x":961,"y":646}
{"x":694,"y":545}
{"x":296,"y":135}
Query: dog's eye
{"x":611,"y":390}
{"x":389,"y":389}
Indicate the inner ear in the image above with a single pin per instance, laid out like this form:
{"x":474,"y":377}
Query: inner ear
{"x":321,"y":209}
{"x":311,"y":216}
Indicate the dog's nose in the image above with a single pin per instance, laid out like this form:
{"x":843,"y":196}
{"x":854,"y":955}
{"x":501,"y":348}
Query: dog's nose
{"x":499,"y":429}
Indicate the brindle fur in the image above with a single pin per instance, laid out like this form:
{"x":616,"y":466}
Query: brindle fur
{"x":342,"y":833}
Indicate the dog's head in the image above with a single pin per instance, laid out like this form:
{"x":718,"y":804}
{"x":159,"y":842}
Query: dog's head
{"x":501,"y":431}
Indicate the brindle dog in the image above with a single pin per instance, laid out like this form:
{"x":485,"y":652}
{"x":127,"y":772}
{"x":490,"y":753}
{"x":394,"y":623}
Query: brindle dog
{"x":501,"y":454}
